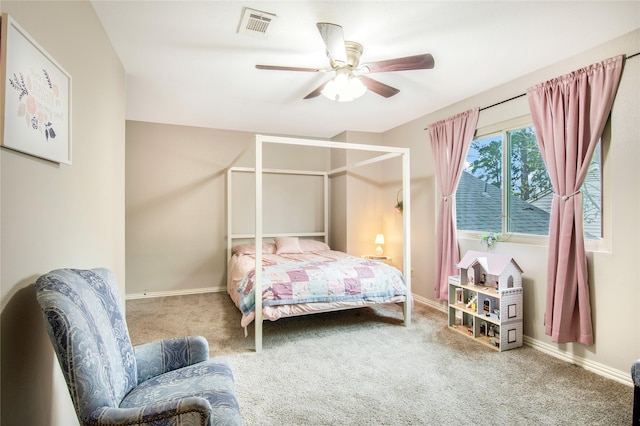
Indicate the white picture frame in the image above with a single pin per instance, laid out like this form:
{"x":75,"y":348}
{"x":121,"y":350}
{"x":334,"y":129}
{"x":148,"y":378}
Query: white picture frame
{"x":35,"y":113}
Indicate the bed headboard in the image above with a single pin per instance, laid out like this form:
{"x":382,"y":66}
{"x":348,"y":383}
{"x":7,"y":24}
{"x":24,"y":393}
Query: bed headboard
{"x":296,"y":204}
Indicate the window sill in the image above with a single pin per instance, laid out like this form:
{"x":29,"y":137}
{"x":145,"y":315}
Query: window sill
{"x":593,"y":246}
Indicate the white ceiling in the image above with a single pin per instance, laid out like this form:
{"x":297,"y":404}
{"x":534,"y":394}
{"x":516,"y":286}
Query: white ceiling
{"x":186,"y":63}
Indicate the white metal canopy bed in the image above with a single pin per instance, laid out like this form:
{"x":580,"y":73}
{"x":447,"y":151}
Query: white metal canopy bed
{"x":384,"y":283}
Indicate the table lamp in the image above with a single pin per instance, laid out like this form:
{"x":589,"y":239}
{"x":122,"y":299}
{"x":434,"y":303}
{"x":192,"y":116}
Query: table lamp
{"x":380,"y":242}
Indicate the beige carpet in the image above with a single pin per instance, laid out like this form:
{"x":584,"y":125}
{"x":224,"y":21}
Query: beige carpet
{"x":363,"y":367}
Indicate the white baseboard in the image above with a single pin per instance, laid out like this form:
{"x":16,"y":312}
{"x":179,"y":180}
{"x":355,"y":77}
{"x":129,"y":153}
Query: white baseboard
{"x":435,"y":305}
{"x":150,"y":294}
{"x":623,"y":377}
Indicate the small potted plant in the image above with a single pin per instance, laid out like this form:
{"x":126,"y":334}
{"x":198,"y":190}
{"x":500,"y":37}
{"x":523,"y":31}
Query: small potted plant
{"x":490,"y":238}
{"x":399,"y":206}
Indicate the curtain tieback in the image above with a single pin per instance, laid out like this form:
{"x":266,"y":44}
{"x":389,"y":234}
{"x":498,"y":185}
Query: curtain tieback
{"x":446,"y":197}
{"x":566,"y":197}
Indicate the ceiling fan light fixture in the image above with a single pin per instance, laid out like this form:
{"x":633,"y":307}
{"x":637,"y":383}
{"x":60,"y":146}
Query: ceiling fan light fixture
{"x":356,"y":87}
{"x":344,"y":87}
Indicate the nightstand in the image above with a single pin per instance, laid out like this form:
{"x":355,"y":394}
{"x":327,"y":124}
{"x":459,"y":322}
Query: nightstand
{"x":383,"y":259}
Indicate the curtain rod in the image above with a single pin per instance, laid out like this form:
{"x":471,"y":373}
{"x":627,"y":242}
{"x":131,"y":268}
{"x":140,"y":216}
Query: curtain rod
{"x":502,"y":102}
{"x":524,"y":94}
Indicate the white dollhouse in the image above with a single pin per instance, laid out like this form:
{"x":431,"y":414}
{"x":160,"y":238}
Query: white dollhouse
{"x":485,"y":300}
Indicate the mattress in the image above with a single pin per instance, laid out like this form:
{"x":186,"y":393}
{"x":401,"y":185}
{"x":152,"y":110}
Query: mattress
{"x":308,"y":282}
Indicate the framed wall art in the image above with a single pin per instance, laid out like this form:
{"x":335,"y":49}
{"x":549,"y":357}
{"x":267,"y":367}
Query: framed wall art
{"x":35,"y":114}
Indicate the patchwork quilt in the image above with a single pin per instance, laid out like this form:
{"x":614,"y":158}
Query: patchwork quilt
{"x":323,"y":279}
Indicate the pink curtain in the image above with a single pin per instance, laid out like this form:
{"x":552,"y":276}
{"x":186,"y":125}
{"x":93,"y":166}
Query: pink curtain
{"x":569,"y":114}
{"x":450,"y":140}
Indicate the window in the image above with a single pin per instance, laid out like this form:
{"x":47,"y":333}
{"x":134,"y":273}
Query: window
{"x":505,"y":186}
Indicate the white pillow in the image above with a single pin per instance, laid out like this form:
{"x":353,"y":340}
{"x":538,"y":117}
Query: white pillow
{"x":313,"y":245}
{"x":250,"y":248}
{"x":287,"y":245}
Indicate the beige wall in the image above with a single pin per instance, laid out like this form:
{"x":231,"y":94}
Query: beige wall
{"x":423,"y":209}
{"x":176,"y":205}
{"x":55,"y":216}
{"x":356,"y":196}
{"x":338,"y":216}
{"x":614,"y":294}
{"x":176,"y":202}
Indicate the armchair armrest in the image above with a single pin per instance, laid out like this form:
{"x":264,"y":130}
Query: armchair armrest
{"x":162,"y":356}
{"x":191,"y":410}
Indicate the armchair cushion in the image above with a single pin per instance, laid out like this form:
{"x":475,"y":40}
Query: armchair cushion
{"x":211,"y":381}
{"x":170,"y":382}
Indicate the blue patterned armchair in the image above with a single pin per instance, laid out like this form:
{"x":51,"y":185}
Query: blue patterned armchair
{"x":168,"y":382}
{"x":635,"y":376}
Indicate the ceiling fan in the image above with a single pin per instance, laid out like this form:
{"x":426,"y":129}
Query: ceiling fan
{"x":350,"y":79}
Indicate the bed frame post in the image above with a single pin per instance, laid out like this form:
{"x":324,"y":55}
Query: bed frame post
{"x":406,"y":228}
{"x":326,"y":208}
{"x":229,"y":215}
{"x":257,"y":289}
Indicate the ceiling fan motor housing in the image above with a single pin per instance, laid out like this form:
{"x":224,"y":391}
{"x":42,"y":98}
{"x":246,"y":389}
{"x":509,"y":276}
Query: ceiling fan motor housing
{"x":354,"y":51}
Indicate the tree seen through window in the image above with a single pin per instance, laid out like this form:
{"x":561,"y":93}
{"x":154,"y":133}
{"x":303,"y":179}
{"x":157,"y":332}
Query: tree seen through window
{"x":513,"y":156}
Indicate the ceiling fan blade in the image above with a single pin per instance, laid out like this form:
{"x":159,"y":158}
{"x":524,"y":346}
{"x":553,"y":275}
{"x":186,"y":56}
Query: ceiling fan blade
{"x":417,"y":62}
{"x":316,"y":92}
{"x":334,"y":41}
{"x":377,"y":87}
{"x":281,"y":68}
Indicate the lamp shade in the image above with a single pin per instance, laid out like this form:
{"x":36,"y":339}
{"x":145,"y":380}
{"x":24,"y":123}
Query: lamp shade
{"x":379,"y":239}
{"x":344,"y":87}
